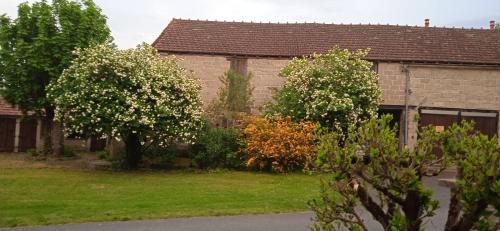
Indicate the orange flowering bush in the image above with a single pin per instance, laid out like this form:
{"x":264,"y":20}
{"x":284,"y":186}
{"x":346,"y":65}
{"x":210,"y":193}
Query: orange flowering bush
{"x":277,"y":144}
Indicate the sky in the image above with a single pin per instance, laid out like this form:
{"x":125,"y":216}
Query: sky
{"x":136,"y":21}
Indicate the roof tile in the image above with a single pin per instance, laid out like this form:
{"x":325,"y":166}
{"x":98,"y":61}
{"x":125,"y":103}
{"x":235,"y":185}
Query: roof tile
{"x":387,"y":42}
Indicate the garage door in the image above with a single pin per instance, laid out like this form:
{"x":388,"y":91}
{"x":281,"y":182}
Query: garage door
{"x":7,"y":132}
{"x":485,"y":122}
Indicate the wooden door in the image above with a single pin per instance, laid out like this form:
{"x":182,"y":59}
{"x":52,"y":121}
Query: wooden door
{"x":7,"y":133}
{"x":483,"y":124}
{"x":27,"y":134}
{"x":440,"y":122}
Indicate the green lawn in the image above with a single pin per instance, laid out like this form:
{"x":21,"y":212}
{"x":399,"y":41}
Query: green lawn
{"x":34,"y":194}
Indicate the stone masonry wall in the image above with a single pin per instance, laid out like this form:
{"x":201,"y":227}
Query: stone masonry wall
{"x":265,"y":79}
{"x":431,"y":85}
{"x":440,"y":86}
{"x":209,"y":68}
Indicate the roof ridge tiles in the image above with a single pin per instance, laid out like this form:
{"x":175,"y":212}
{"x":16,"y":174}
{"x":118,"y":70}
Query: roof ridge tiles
{"x":318,"y":23}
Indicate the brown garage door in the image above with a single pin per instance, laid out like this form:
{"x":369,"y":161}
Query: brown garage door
{"x":7,"y":132}
{"x":485,"y":122}
{"x":439,"y":121}
{"x":27,"y":134}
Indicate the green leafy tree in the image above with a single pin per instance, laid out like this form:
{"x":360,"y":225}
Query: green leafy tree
{"x":475,"y":198}
{"x":337,"y":89}
{"x":234,"y":96}
{"x":135,"y":95}
{"x":37,"y":46}
{"x":369,"y":169}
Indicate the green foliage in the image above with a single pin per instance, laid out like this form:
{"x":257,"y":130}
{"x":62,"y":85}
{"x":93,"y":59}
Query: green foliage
{"x":33,"y":152}
{"x":337,"y":89}
{"x":161,"y":157}
{"x":217,"y":148}
{"x":287,"y":103}
{"x":369,"y":158}
{"x":68,"y":152}
{"x":233,"y":96}
{"x":103,"y":155}
{"x":478,"y":182}
{"x":135,"y":94}
{"x":37,"y":46}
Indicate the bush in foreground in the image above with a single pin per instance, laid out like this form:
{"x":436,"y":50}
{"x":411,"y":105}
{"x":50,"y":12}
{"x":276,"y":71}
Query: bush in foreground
{"x":217,"y":148}
{"x":369,"y":158}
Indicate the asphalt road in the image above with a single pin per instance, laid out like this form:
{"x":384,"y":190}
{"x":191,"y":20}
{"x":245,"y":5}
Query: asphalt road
{"x":276,"y":222}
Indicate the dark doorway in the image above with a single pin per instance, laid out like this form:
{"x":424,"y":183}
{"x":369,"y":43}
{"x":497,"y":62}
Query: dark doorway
{"x":7,"y":132}
{"x":27,"y":134}
{"x":97,"y":144}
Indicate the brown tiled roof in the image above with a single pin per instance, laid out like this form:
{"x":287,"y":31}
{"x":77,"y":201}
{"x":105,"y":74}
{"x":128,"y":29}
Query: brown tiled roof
{"x":387,"y":42}
{"x":8,"y":110}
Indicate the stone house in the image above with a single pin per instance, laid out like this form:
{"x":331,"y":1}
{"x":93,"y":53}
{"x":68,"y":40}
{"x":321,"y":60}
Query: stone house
{"x":444,"y":74}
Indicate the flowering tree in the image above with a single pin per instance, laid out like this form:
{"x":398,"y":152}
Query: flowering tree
{"x":135,"y":95}
{"x":336,"y":89}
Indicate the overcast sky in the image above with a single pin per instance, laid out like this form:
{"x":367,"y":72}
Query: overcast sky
{"x":134,"y":21}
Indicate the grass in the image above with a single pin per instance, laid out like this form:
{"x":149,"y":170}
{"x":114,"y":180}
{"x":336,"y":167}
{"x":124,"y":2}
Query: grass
{"x":34,"y":193}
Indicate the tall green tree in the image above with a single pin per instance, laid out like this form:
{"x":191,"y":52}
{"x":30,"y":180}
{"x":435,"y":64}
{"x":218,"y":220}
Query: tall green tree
{"x":37,"y":46}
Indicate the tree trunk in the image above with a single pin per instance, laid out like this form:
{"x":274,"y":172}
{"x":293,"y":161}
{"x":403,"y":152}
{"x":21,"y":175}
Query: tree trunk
{"x":57,"y":138}
{"x":133,"y":155}
{"x":412,"y":209}
{"x":53,"y":134}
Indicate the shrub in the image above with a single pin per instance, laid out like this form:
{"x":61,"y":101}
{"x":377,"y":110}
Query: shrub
{"x":368,"y":168}
{"x":103,"y":155}
{"x":233,"y":98}
{"x":217,"y":148}
{"x":68,"y":152}
{"x":337,"y":89}
{"x":161,"y":156}
{"x":33,"y":152}
{"x":277,"y":144}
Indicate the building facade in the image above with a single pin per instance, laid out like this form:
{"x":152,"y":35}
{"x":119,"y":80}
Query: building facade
{"x":443,"y":74}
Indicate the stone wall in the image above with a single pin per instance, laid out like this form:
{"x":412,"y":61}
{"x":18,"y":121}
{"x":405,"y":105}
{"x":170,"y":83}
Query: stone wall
{"x":442,"y":86}
{"x":209,"y":68}
{"x":265,"y":79}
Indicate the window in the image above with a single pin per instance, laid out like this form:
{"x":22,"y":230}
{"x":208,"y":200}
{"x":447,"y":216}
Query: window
{"x":238,"y":65}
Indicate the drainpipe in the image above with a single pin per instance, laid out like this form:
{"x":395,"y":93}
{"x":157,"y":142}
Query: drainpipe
{"x":405,"y":68}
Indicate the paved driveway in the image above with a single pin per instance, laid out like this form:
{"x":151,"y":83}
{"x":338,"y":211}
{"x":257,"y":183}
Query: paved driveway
{"x":276,"y":222}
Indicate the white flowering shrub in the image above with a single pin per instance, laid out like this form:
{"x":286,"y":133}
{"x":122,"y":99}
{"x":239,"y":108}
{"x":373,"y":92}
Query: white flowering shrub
{"x":135,"y":95}
{"x":337,"y":89}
